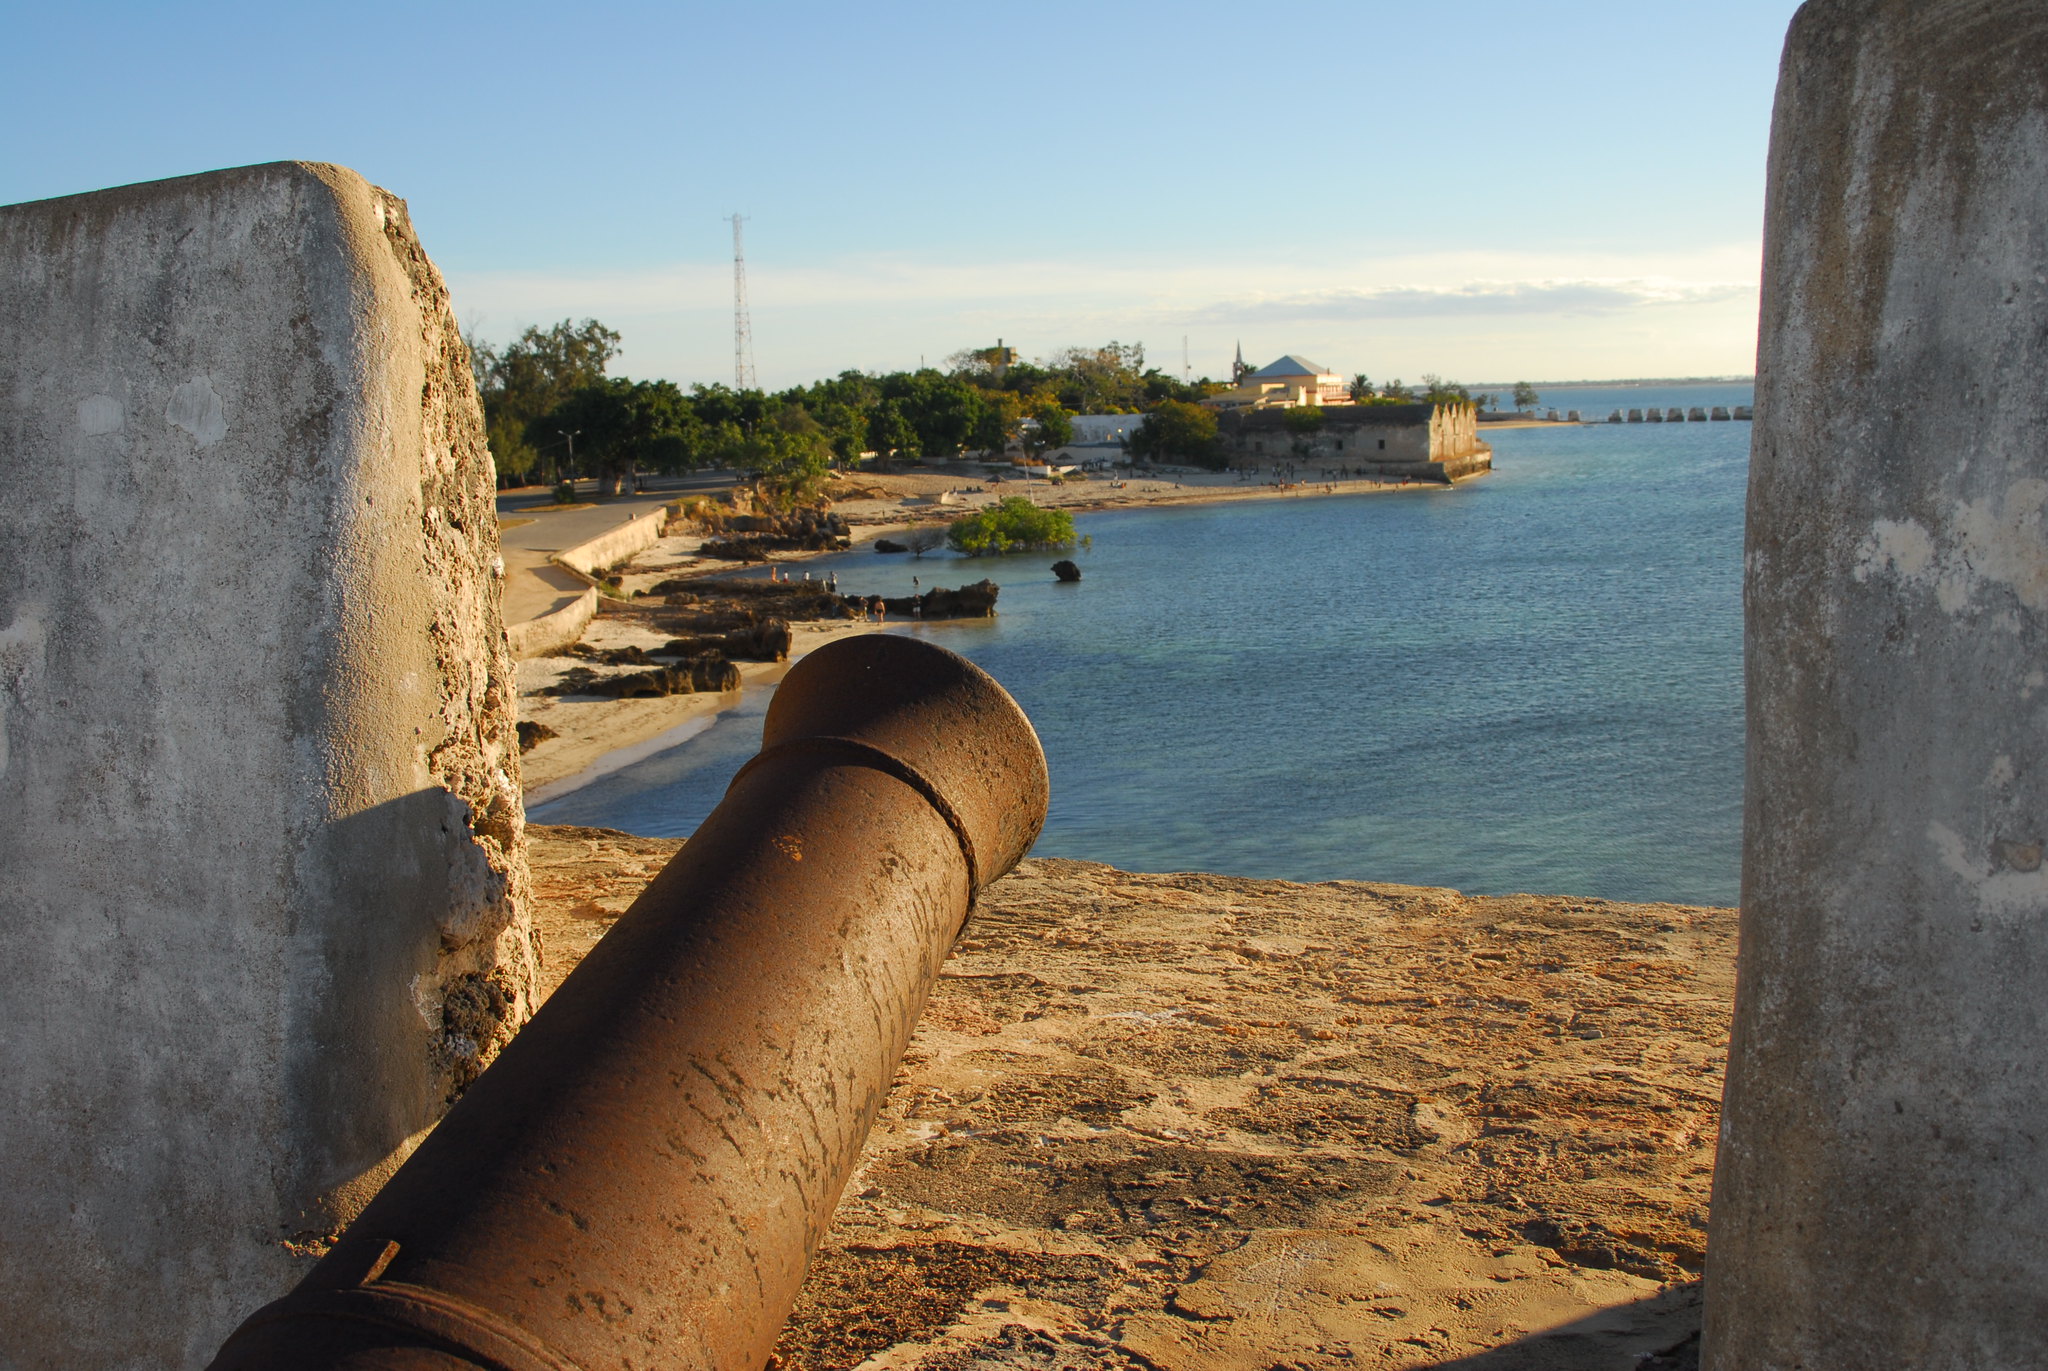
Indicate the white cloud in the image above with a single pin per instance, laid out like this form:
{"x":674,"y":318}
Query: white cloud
{"x":1471,"y":298}
{"x":1582,"y":314}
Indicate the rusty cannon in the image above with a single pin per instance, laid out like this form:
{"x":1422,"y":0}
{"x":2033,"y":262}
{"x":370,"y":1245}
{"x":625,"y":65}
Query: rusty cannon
{"x":642,"y":1176}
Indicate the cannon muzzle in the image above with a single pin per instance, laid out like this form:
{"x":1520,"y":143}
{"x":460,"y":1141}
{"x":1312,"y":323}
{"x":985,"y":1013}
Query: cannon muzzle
{"x":642,"y":1176}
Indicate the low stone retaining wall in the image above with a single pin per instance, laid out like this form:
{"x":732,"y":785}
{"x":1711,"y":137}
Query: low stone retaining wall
{"x":555,"y":630}
{"x":558,"y":628}
{"x":609,"y":549}
{"x":1449,"y":470}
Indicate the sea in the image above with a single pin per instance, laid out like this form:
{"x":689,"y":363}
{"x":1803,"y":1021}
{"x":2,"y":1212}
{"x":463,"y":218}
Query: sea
{"x":1530,"y":682}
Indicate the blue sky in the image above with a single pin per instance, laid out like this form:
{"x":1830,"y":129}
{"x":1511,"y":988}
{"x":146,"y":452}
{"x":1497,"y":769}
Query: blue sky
{"x":1486,"y":191}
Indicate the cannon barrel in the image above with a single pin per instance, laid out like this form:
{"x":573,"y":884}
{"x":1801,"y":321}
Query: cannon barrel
{"x":642,"y":1176}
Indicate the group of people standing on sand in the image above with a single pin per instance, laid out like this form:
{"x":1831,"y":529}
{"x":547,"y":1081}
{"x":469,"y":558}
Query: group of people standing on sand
{"x":777,"y":574}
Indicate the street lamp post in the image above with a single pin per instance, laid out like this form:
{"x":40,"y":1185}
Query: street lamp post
{"x":570,"y":438}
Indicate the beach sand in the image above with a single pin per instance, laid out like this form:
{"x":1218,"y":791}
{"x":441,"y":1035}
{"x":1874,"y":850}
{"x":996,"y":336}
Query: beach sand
{"x":597,"y":736}
{"x":1199,"y":1123}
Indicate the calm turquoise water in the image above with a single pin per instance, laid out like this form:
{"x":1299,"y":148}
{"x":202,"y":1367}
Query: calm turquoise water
{"x":1531,"y":682}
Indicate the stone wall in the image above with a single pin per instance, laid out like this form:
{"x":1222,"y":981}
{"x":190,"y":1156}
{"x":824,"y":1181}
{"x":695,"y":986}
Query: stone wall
{"x":1879,"y":1198}
{"x":1453,"y":432}
{"x":1391,"y":442}
{"x":259,"y":787}
{"x":1350,"y":435}
{"x":555,"y":630}
{"x":608,"y":549}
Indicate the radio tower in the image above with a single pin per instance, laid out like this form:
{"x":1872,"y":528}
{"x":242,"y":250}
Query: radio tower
{"x":742,"y":331}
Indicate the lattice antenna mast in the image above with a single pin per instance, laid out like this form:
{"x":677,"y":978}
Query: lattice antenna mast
{"x":742,"y":330}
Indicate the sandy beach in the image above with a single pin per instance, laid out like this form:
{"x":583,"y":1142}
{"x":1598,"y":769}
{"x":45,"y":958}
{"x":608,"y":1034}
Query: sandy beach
{"x":595,"y":736}
{"x":1201,"y":1123}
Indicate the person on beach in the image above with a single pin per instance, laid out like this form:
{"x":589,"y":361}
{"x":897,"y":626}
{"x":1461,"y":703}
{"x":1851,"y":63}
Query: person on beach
{"x":832,"y":583}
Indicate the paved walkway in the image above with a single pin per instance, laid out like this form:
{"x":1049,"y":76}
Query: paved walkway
{"x":535,"y":586}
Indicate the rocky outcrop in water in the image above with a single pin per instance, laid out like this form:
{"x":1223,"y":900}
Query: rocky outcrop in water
{"x":1066,"y":571}
{"x":723,"y":605}
{"x":751,"y":537}
{"x":977,"y":601}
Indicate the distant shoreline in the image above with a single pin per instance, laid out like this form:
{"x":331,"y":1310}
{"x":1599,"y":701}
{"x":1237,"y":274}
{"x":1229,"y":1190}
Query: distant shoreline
{"x":1636,"y":383}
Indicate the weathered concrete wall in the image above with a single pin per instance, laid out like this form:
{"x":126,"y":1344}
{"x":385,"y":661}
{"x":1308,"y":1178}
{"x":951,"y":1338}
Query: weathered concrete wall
{"x":1420,"y":442}
{"x":608,"y":549}
{"x":1881,"y":1197}
{"x":555,"y":630}
{"x":259,"y":794}
{"x":1349,"y":435}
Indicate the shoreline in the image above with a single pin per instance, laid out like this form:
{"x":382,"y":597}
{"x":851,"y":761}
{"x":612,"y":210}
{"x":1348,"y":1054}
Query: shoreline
{"x":595,"y":738}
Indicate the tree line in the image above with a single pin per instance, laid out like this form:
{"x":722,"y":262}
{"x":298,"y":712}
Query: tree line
{"x":552,"y":408}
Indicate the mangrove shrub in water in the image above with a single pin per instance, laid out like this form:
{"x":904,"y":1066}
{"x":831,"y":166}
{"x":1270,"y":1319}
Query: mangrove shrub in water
{"x":1013,"y":524}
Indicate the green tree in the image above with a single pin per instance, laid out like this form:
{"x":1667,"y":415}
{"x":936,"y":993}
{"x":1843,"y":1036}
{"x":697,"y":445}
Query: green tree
{"x":719,"y":405}
{"x":521,"y":382}
{"x":788,"y":455}
{"x":1181,"y":432}
{"x":514,"y":457}
{"x":1397,"y":391}
{"x":1106,"y":380}
{"x":1361,"y":388}
{"x":621,"y":426}
{"x":796,"y":456}
{"x":1002,"y":419}
{"x":1526,"y":396}
{"x":843,"y":406}
{"x":1052,"y":427}
{"x":889,"y":431}
{"x":1437,"y":391}
{"x":944,"y":411}
{"x":1013,"y":524}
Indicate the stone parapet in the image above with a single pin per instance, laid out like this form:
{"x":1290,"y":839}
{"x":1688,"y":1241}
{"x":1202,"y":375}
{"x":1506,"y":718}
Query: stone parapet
{"x":1879,"y":1196}
{"x":259,"y":784}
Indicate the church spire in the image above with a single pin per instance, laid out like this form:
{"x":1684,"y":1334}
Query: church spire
{"x":1238,"y":370}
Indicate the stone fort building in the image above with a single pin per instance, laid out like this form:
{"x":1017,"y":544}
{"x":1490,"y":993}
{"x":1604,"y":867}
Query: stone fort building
{"x":1420,"y":441}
